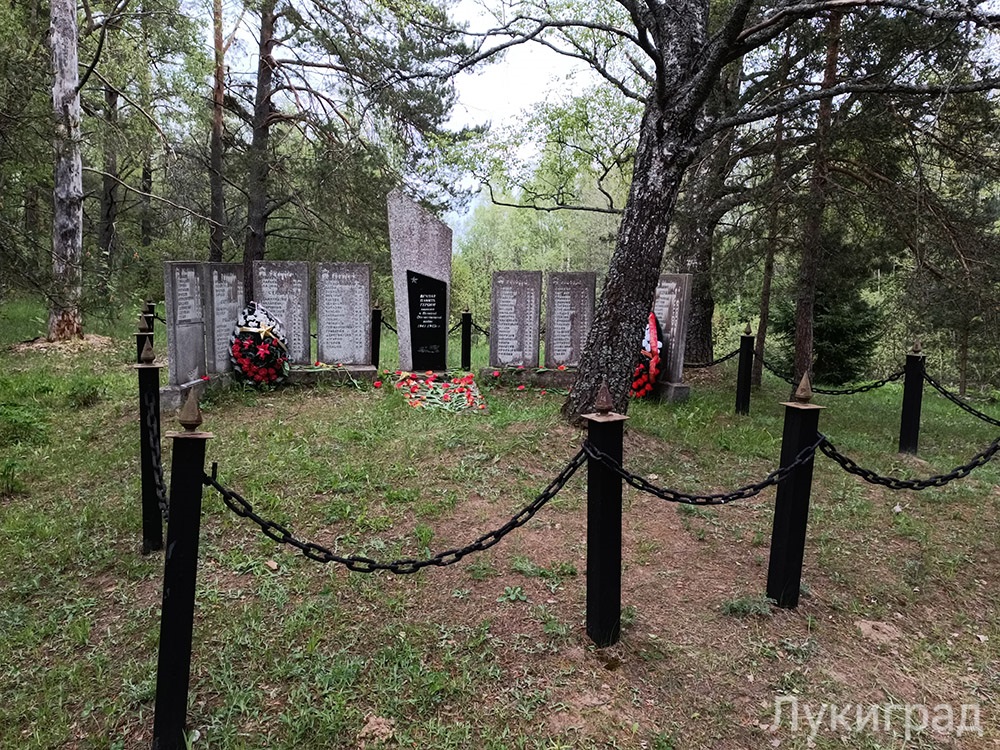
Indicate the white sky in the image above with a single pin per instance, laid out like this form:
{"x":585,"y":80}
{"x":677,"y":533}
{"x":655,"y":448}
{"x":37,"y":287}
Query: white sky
{"x":526,"y":74}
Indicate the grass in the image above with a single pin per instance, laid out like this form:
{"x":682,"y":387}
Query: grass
{"x":491,"y":652}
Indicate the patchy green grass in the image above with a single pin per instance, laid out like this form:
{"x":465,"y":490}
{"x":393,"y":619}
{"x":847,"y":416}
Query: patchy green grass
{"x":491,"y":652}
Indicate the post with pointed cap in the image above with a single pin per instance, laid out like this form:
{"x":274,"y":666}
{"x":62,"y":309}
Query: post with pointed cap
{"x":143,"y":334}
{"x":467,"y":340}
{"x":745,"y":369}
{"x":791,"y":505}
{"x":913,"y":395}
{"x":376,"y":335}
{"x":605,"y":431}
{"x":149,"y":448}
{"x":173,"y":669}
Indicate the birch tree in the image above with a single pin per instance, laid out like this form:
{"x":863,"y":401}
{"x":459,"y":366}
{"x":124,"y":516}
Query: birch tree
{"x":668,"y":56}
{"x":65,"y":320}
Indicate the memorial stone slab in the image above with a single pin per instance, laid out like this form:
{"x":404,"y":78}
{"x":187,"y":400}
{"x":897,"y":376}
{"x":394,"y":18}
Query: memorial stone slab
{"x":428,"y":311}
{"x":225,"y":302}
{"x":421,"y":249}
{"x":569,"y":313}
{"x":343,"y":313}
{"x":282,"y":287}
{"x":184,"y":289}
{"x":515,"y":309}
{"x":670,"y":304}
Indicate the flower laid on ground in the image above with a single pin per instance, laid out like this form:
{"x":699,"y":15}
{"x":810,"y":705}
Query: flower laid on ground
{"x":258,"y":347}
{"x":428,"y":391}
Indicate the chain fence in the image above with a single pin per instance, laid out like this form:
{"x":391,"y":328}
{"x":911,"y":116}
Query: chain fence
{"x":957,"y":400}
{"x":281,"y":534}
{"x":454,"y":328}
{"x":484,"y":331}
{"x":386,"y":324}
{"x":836,"y":391}
{"x":715,"y":498}
{"x":713,"y":363}
{"x":152,"y":426}
{"x":894,"y":483}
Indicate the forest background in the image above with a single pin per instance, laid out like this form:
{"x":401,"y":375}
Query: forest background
{"x":237,"y":131}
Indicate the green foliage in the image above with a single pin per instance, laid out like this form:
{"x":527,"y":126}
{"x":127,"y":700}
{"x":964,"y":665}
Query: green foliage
{"x":23,"y":423}
{"x":846,"y":326}
{"x":84,"y":391}
{"x":748,"y":606}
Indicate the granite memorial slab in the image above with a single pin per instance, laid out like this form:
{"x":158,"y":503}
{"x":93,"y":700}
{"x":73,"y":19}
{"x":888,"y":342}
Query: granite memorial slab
{"x":343,"y":313}
{"x":428,"y":315}
{"x":282,"y":287}
{"x":569,"y":313}
{"x":515,"y":309}
{"x":185,"y":296}
{"x":225,"y":302}
{"x":670,"y":304}
{"x":421,"y":248}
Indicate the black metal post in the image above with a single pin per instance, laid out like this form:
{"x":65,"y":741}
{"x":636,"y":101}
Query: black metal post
{"x":173,"y":669}
{"x":149,"y":450}
{"x":143,"y":334}
{"x":604,"y":530}
{"x":913,"y":394}
{"x":376,"y":335}
{"x":466,"y":341}
{"x":791,"y":506}
{"x":744,"y":372}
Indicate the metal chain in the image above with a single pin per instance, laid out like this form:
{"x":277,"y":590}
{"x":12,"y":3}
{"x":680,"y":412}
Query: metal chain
{"x":716,"y":498}
{"x":713,"y":363}
{"x":357,"y":563}
{"x":770,"y":368}
{"x":153,"y":429}
{"x":162,"y":320}
{"x":388,"y":325}
{"x":484,"y":331}
{"x":838,"y":391}
{"x":454,"y":328}
{"x":959,"y":402}
{"x":893,"y":483}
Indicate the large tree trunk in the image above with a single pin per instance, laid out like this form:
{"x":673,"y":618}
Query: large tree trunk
{"x":146,"y":186}
{"x":662,"y":155}
{"x":773,"y":232}
{"x":67,"y":222}
{"x":259,"y":158}
{"x":215,"y":159}
{"x":107,"y":225}
{"x":697,"y":221}
{"x":811,"y":255}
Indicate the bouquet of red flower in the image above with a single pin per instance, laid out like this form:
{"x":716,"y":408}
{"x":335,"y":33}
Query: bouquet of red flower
{"x":258,"y":347}
{"x":648,"y":369}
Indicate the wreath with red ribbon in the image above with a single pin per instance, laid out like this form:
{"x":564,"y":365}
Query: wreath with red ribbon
{"x":648,"y":369}
{"x":258,"y":348}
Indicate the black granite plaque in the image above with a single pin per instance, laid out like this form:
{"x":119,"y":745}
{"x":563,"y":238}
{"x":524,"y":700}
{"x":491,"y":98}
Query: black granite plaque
{"x":428,"y":303}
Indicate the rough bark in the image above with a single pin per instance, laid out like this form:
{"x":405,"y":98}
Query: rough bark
{"x":773,"y":232}
{"x":963,"y":361}
{"x":757,"y":371}
{"x":258,"y":156}
{"x":811,"y":251}
{"x":218,"y":211}
{"x":696,"y":224}
{"x":109,"y":204}
{"x":65,"y":319}
{"x":662,"y":155}
{"x":146,"y":186}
